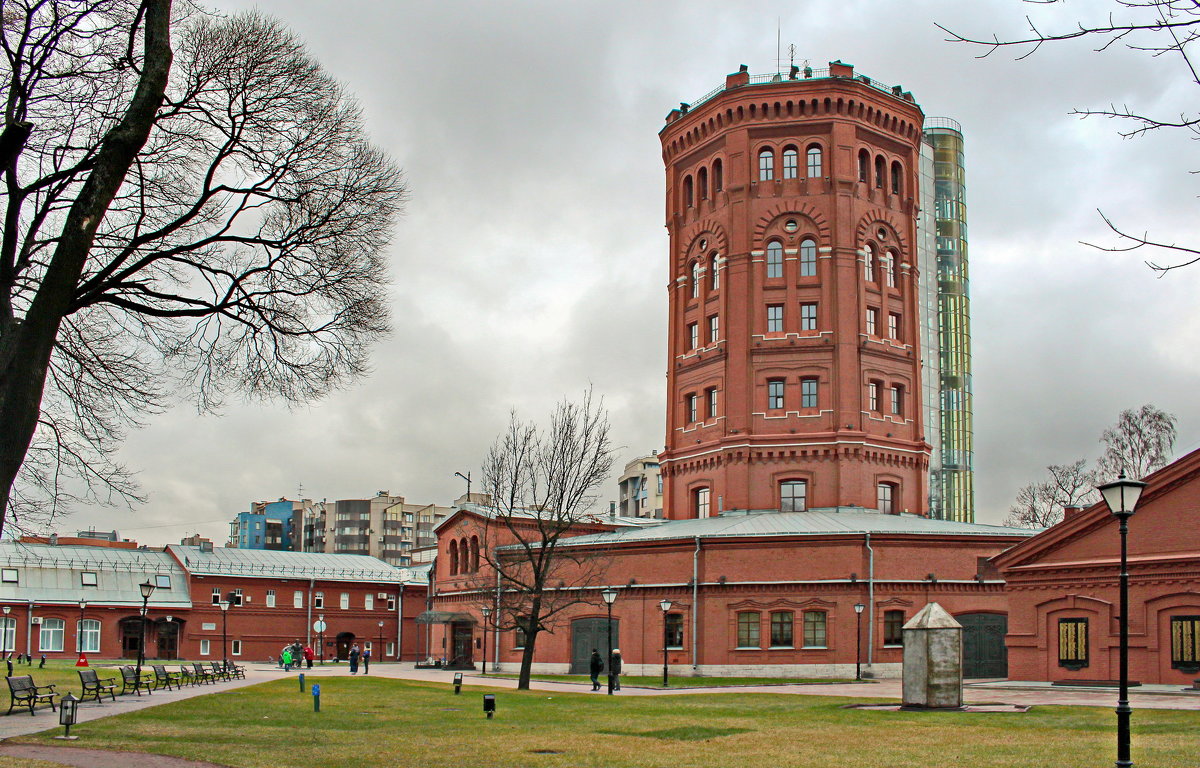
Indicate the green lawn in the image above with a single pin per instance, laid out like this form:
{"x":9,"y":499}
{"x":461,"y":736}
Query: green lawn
{"x":369,"y":722}
{"x":655,"y":681}
{"x":62,"y":674}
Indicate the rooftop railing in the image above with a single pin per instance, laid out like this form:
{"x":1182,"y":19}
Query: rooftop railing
{"x":806,"y":73}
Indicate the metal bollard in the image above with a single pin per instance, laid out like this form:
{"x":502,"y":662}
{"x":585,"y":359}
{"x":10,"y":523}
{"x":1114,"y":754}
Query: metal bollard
{"x":316,"y":697}
{"x":301,"y":682}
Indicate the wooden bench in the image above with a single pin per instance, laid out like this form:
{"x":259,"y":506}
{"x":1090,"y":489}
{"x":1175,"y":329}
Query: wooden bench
{"x":23,"y":691}
{"x":131,"y":681}
{"x":96,"y":686}
{"x":163,"y":678}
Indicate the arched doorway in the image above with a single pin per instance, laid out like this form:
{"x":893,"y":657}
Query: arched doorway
{"x":342,"y":645}
{"x":984,"y":652}
{"x":167,"y":636}
{"x":587,"y":634}
{"x":133,"y":629}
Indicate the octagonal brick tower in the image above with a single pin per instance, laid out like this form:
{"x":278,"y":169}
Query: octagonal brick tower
{"x":794,"y":370}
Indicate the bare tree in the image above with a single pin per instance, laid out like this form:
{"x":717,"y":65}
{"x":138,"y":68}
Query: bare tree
{"x":1041,"y":505}
{"x":542,"y":486}
{"x":1139,"y":443}
{"x":1155,"y":27}
{"x":203,"y":218}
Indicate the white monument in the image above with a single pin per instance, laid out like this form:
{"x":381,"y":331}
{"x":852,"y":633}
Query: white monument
{"x":933,"y":660}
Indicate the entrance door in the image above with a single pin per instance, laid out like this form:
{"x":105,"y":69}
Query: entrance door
{"x":131,"y":637}
{"x":587,"y":634}
{"x":462,"y":642}
{"x":344,"y":641}
{"x":168,"y":640}
{"x":984,"y":653}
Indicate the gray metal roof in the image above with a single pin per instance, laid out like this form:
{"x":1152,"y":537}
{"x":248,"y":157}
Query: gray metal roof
{"x":54,"y":574}
{"x":810,"y":523}
{"x":268,"y":563}
{"x":484,"y":510}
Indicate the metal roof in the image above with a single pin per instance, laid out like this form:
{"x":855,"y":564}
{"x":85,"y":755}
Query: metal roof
{"x":532,"y":514}
{"x":53,"y":574}
{"x":269,"y":563}
{"x":815,"y":522}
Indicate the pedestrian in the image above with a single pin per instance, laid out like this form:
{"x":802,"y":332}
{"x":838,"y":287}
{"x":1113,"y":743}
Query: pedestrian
{"x":298,"y":654}
{"x":286,"y":658}
{"x":614,"y":669}
{"x":308,"y":655}
{"x":354,"y":654}
{"x":366,"y":659}
{"x":595,"y":666}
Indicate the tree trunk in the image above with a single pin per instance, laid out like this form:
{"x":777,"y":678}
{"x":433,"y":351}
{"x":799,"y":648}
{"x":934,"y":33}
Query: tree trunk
{"x":26,"y":346}
{"x":531,"y":635}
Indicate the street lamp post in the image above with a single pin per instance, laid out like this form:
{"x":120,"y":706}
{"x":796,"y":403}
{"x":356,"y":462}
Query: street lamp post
{"x":665,"y":605}
{"x":1121,"y":496}
{"x":858,"y":612}
{"x":224,"y":606}
{"x":610,"y":596}
{"x":147,"y":589}
{"x":487,"y":612}
{"x":79,"y":628}
{"x":321,"y":636}
{"x":381,"y":653}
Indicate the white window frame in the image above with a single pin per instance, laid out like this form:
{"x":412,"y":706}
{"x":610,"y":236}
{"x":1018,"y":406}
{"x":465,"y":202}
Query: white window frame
{"x":318,"y":600}
{"x":87,"y":631}
{"x":84,"y":581}
{"x":270,"y":598}
{"x":8,"y":634}
{"x":344,"y":601}
{"x":10,"y":576}
{"x":298,"y":598}
{"x":714,"y":329}
{"x":235,"y":647}
{"x":205,"y":646}
{"x":390,"y":648}
{"x":216,"y":595}
{"x":51,"y":630}
{"x":391,"y":602}
{"x":369,"y":602}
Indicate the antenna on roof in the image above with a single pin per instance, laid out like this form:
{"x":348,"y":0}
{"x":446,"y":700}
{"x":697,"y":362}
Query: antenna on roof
{"x":778,"y":34}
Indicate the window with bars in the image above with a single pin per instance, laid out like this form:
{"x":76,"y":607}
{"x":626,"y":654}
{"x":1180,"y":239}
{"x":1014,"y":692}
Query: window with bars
{"x":898,"y":400}
{"x":690,"y":405}
{"x":869,"y":264}
{"x":781,"y":629}
{"x":1073,"y":643}
{"x":1185,"y":643}
{"x":747,"y":629}
{"x":696,"y":273}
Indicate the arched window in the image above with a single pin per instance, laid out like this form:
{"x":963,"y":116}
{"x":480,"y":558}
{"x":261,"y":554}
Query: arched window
{"x":474,"y":553}
{"x":869,"y":264}
{"x":766,"y":165}
{"x":791,"y":163}
{"x":714,"y":275}
{"x":808,"y":258}
{"x":893,"y":269}
{"x":718,"y":178}
{"x":696,"y":278}
{"x":687,"y":192}
{"x":702,"y":176}
{"x":89,"y":636}
{"x":51,"y":638}
{"x":453,"y":558}
{"x":880,"y":170}
{"x":774,"y":259}
{"x":896,"y":173}
{"x":793,"y":496}
{"x":814,"y":161}
{"x":864,"y":166}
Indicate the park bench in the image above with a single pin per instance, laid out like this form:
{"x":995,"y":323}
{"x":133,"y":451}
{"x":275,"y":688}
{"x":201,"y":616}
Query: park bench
{"x":235,"y":670}
{"x":219,"y":672}
{"x":132,"y":681}
{"x":96,"y":686}
{"x":202,"y":675}
{"x":165,"y":679}
{"x":23,"y":691}
{"x":187,"y":676}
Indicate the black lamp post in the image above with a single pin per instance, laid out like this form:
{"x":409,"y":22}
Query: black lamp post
{"x":665,"y":605}
{"x":321,"y":635}
{"x":610,"y":596}
{"x":1121,"y":496}
{"x":224,"y":606}
{"x":147,"y":589}
{"x":858,"y":611}
{"x":487,"y":612}
{"x":381,"y":653}
{"x":79,"y":627}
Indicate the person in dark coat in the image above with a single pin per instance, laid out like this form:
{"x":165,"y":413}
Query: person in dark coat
{"x":366,"y":660}
{"x":596,"y":666}
{"x":354,"y":654}
{"x":614,"y":669}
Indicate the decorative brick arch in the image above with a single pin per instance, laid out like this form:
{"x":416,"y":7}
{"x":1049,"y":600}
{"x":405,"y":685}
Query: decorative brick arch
{"x":797,"y":209}
{"x":708,"y":229}
{"x":881,"y":216}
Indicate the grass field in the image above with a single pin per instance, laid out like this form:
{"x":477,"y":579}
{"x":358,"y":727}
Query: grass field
{"x":369,"y":722}
{"x":655,"y":681}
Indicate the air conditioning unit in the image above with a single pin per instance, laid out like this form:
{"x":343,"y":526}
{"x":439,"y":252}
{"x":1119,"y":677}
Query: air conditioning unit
{"x":380,"y":539}
{"x":37,"y":619}
{"x":382,"y":596}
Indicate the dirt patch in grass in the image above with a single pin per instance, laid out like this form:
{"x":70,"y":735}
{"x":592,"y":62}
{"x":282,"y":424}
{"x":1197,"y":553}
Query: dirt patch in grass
{"x":683,"y":733}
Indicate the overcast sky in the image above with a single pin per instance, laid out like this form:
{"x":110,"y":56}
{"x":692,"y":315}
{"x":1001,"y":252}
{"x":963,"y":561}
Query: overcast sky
{"x":532,"y":259}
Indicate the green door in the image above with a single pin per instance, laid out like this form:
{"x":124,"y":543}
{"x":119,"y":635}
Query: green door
{"x":587,"y":634}
{"x":984,"y":653}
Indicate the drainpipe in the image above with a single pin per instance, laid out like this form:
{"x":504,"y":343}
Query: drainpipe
{"x":308,"y":623}
{"x":29,"y":629}
{"x":399,"y":624}
{"x":695,"y":605}
{"x":870,"y":599}
{"x":496,"y":634}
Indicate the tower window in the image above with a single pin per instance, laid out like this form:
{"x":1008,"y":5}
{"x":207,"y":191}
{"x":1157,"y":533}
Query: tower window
{"x":814,"y":161}
{"x":689,"y":402}
{"x":775,"y":394}
{"x":885,"y":495}
{"x":808,"y":392}
{"x":774,"y":318}
{"x":864,"y":166}
{"x":702,"y":177}
{"x":718,"y":179}
{"x":808,"y":317}
{"x":696,"y":272}
{"x":700,"y":502}
{"x":872,"y":321}
{"x":896,"y":172}
{"x":766,"y":165}
{"x":898,"y":399}
{"x":714,"y":329}
{"x":687,"y":192}
{"x":693,"y":335}
{"x":880,"y":170}
{"x":873,"y":396}
{"x":893,"y":269}
{"x":869,"y":264}
{"x":774,"y":259}
{"x":712,"y":402}
{"x":893,"y":325}
{"x":793,"y":496}
{"x":808,"y":258}
{"x":791,"y":163}
{"x":714,"y":275}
